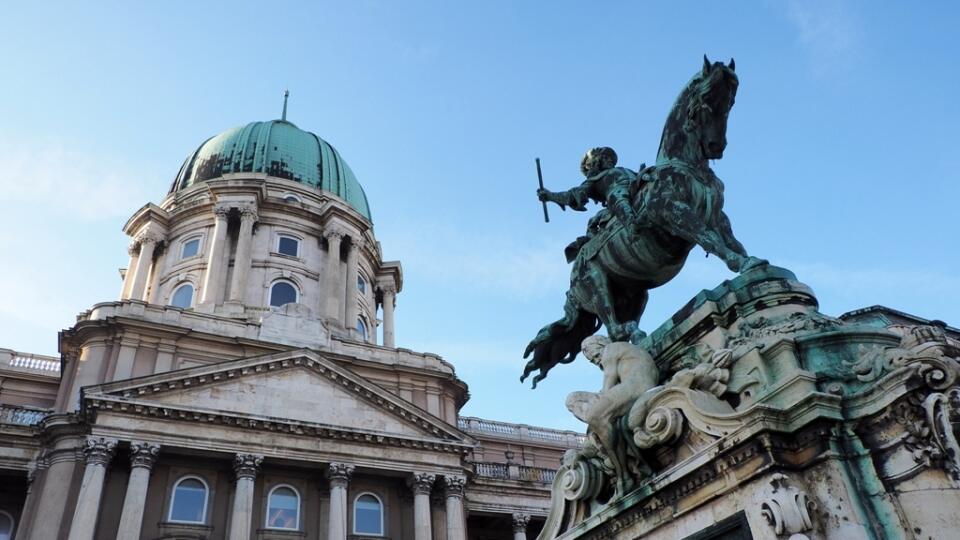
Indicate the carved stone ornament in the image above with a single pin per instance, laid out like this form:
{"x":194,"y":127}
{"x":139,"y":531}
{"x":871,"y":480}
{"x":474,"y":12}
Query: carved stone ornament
{"x":249,"y":214}
{"x":339,"y":474}
{"x":788,"y":509}
{"x":247,"y":465}
{"x":454,"y":485}
{"x":389,"y":289}
{"x":148,"y":237}
{"x":520,"y":522}
{"x":334,"y":233}
{"x":221,"y":211}
{"x":943,"y":416}
{"x":99,"y":450}
{"x":421,"y":483}
{"x":143,"y":454}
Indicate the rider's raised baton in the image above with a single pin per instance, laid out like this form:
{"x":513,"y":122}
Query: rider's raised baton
{"x":546,"y":216}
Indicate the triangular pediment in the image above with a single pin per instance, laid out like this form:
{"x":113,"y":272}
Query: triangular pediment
{"x":299,"y":388}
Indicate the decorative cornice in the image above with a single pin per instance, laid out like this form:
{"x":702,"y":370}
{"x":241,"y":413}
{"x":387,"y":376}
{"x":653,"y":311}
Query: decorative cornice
{"x":247,"y":465}
{"x":520,"y":522}
{"x":454,"y":485}
{"x":126,"y":398}
{"x":99,"y":450}
{"x":143,"y":454}
{"x":339,"y":474}
{"x":421,"y":483}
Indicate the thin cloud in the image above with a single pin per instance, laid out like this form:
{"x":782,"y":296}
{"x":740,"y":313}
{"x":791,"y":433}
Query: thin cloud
{"x":53,"y":176}
{"x":828,"y":31}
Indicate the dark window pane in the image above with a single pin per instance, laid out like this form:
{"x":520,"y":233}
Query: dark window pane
{"x":190,"y":248}
{"x":367,"y":515}
{"x":288,"y":246}
{"x":361,"y":284}
{"x":282,"y":293}
{"x":189,"y":498}
{"x":183,"y":298}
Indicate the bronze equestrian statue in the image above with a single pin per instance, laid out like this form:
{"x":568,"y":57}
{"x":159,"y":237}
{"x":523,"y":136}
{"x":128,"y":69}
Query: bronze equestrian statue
{"x":651,"y":221}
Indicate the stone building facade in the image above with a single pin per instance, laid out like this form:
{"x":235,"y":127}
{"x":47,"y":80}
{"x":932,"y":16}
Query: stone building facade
{"x":247,"y":383}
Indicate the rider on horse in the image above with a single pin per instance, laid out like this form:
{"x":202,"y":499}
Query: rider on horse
{"x":606,"y":184}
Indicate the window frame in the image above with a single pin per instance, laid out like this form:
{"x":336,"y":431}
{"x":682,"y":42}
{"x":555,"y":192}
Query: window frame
{"x":13,"y":522}
{"x":266,"y":517}
{"x":366,"y":329}
{"x":382,"y":515}
{"x":206,"y":499}
{"x":187,"y":240}
{"x":176,"y":289}
{"x":287,"y":196}
{"x":274,"y":283}
{"x":362,"y":284}
{"x":297,"y":239}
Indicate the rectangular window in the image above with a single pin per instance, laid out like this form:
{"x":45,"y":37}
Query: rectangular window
{"x":288,"y":246}
{"x":190,"y":248}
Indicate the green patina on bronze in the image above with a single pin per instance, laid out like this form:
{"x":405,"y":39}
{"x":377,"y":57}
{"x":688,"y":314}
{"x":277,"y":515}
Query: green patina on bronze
{"x":651,"y":221}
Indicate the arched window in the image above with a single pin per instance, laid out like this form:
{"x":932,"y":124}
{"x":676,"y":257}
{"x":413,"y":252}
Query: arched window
{"x":291,"y":198}
{"x":361,"y":329}
{"x":283,"y":509}
{"x":282,"y":293}
{"x":182,"y":296}
{"x":361,"y":284}
{"x":188,"y":503}
{"x":288,"y":245}
{"x":368,"y":515}
{"x":6,"y":526}
{"x":190,"y":247}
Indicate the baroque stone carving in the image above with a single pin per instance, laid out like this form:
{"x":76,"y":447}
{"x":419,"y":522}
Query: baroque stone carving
{"x":520,"y":522}
{"x":790,"y":511}
{"x":247,"y":465}
{"x":99,"y":450}
{"x":421,"y":483}
{"x":143,"y":454}
{"x":943,"y":418}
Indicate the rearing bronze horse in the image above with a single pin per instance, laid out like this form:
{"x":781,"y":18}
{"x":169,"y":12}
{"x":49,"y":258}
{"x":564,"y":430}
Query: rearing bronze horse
{"x":678,"y":203}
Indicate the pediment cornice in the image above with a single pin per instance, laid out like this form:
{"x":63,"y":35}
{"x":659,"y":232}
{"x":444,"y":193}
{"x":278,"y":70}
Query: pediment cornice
{"x":135,"y":396}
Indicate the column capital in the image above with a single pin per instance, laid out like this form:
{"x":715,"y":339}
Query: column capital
{"x":249,"y":214}
{"x":339,"y":474}
{"x":247,"y":465}
{"x":453,"y":485}
{"x":520,"y":522}
{"x":388,"y":289}
{"x":143,"y":454}
{"x":421,"y":483}
{"x":221,"y":211}
{"x":99,"y":450}
{"x":132,"y":250}
{"x":334,"y":233}
{"x":147,"y":237}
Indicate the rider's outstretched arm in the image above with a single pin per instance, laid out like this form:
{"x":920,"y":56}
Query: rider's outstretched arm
{"x":575,"y":198}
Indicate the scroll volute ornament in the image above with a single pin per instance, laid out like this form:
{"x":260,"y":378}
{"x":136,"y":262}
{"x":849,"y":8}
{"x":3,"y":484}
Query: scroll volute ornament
{"x":788,"y":510}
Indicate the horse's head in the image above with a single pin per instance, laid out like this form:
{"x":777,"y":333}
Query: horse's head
{"x":697,"y":127}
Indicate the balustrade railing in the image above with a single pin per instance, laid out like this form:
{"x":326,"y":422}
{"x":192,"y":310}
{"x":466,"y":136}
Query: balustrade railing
{"x":29,"y":362}
{"x":24,"y":416}
{"x":520,"y":431}
{"x":514,"y":472}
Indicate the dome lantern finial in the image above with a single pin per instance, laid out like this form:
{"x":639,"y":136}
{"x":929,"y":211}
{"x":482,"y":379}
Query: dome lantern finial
{"x":286,"y":94}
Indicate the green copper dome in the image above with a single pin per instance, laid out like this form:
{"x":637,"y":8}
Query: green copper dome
{"x":277,"y":148}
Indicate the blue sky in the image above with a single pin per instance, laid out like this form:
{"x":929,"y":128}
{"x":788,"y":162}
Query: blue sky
{"x":841,"y":162}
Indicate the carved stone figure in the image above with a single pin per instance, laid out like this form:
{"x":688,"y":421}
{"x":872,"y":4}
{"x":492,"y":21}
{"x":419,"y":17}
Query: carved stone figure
{"x":643,"y":243}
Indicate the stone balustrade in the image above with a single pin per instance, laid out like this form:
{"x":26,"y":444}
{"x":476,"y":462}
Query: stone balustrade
{"x":27,"y":362}
{"x":23,"y":416}
{"x":569,"y":439}
{"x":506,"y":471}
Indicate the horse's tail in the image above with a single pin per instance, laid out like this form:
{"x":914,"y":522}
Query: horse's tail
{"x":559,"y":342}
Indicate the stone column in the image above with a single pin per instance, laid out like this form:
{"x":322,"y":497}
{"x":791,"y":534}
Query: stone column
{"x":246,"y":467}
{"x":142,"y":457}
{"x":131,"y":270}
{"x":241,"y":263}
{"x":339,"y":476}
{"x":332,"y":277}
{"x":389,"y":302}
{"x":520,"y":522}
{"x":421,"y":484}
{"x":212,"y":282}
{"x":453,"y":486}
{"x":351,"y":312}
{"x":148,"y":243}
{"x":99,"y":452}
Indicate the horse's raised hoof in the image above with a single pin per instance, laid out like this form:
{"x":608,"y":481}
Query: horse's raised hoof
{"x":622,"y":332}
